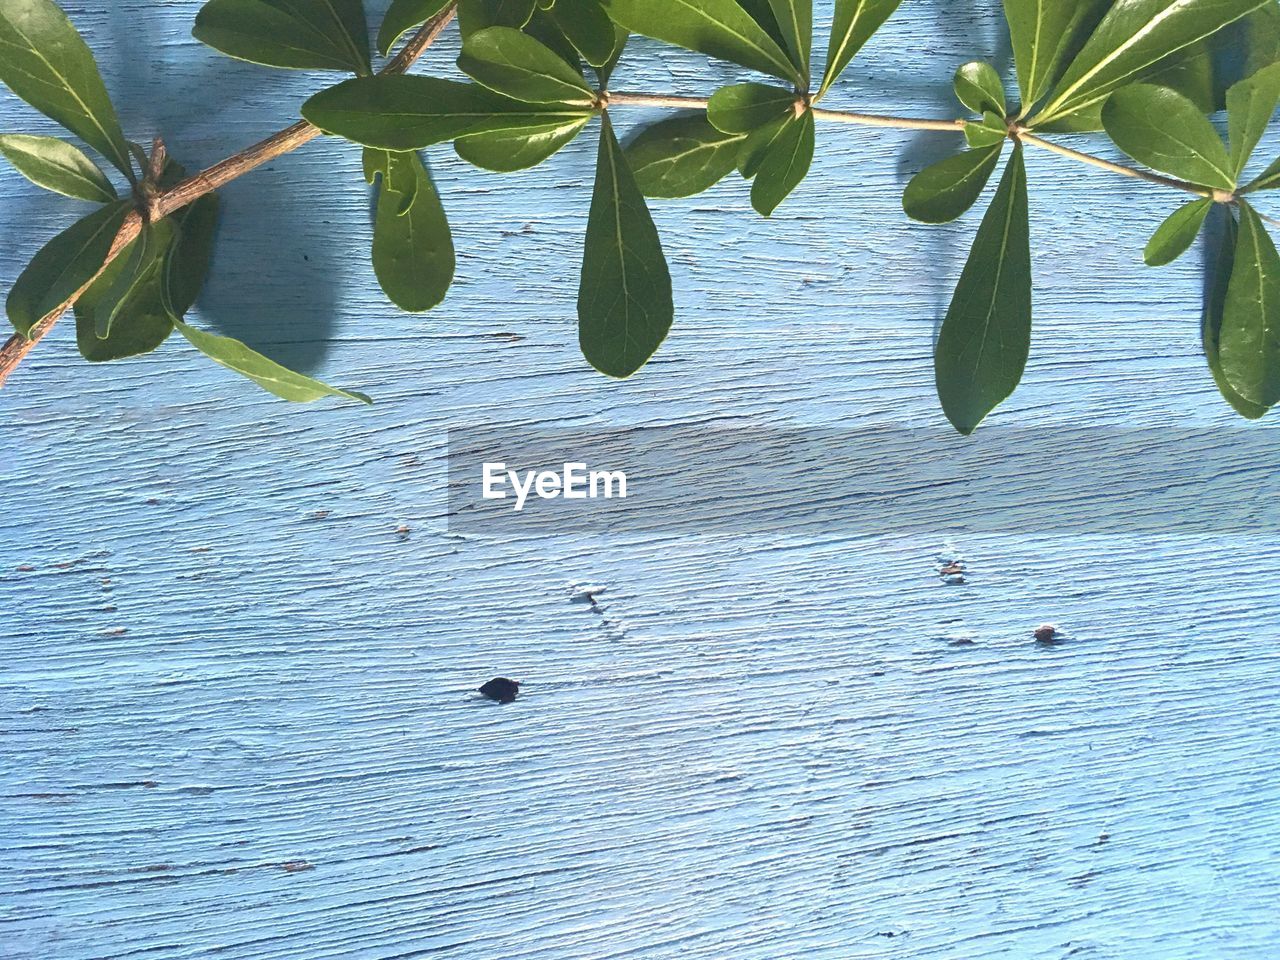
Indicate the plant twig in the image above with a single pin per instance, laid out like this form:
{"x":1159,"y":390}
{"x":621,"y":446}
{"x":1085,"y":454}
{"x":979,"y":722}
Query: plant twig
{"x":897,"y":123}
{"x":1124,"y":171}
{"x":834,"y":116}
{"x":912,"y":123}
{"x":214,"y":178}
{"x":653,"y":100}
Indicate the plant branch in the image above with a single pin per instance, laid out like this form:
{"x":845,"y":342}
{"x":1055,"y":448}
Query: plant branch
{"x":897,"y":123}
{"x":214,"y":178}
{"x":1124,"y":171}
{"x":648,"y":100}
{"x":911,"y":123}
{"x":834,"y":116}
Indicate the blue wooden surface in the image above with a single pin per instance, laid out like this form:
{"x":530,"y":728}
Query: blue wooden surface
{"x":239,"y":642}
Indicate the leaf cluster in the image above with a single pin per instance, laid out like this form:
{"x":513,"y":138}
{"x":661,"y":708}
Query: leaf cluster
{"x":1150,"y":73}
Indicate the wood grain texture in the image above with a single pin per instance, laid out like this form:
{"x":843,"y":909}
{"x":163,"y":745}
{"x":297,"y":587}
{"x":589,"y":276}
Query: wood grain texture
{"x":239,"y":641}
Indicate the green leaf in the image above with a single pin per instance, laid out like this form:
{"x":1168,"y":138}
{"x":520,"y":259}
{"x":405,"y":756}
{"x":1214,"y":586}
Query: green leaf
{"x":143,"y":326}
{"x":476,"y":15}
{"x":509,"y":150}
{"x":988,"y":133}
{"x":45,"y":62}
{"x":795,"y":21}
{"x":411,"y":112}
{"x":267,"y":374}
{"x":621,"y":37}
{"x":1135,"y":35}
{"x":413,"y":255}
{"x":625,"y":304}
{"x":1190,"y":71}
{"x":58,"y":166}
{"x":1219,"y":283}
{"x":718,"y":28}
{"x":127,"y":281}
{"x":1044,"y":34}
{"x":945,"y":191}
{"x":1176,"y":235}
{"x":1250,"y":336}
{"x":144,"y":319}
{"x":856,"y":22}
{"x":986,"y":337}
{"x":785,"y":164}
{"x":188,"y":264}
{"x":67,"y":262}
{"x":403,"y":16}
{"x":139,"y":262}
{"x":544,"y":29}
{"x":1269,"y":179}
{"x":398,"y":178}
{"x":297,"y":34}
{"x":744,"y":107}
{"x":681,"y":156}
{"x":1250,"y":106}
{"x":1257,"y":37}
{"x":516,"y":65}
{"x":588,"y":28}
{"x":756,"y":147}
{"x":1167,"y":132}
{"x":979,"y":88}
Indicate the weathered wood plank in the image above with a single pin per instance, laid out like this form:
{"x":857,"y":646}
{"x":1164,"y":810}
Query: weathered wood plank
{"x":239,"y":643}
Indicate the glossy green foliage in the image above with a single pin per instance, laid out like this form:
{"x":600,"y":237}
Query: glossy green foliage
{"x":58,"y":166}
{"x":413,"y":255}
{"x":588,"y":29}
{"x":948,"y":189}
{"x":515,"y":65}
{"x":299,"y":34}
{"x":121,"y":282}
{"x":985,"y":339}
{"x":1045,"y":34}
{"x":795,"y":25}
{"x":266,"y":373}
{"x":63,"y":266}
{"x":45,"y":62}
{"x":506,"y":151}
{"x":1269,"y":179}
{"x":411,"y":112}
{"x":190,"y":257}
{"x":1249,"y":336}
{"x":1250,"y":106}
{"x":1149,"y":70}
{"x":989,"y":131}
{"x":855,"y":22}
{"x":476,"y":15}
{"x":403,"y":16}
{"x":625,"y":301}
{"x":1176,"y":235}
{"x":130,"y":308}
{"x":979,"y":88}
{"x":1169,"y":133}
{"x":682,"y":156}
{"x":1135,"y":35}
{"x":784,"y":165}
{"x":718,"y":28}
{"x":1221,"y":269}
{"x":745,"y":107}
